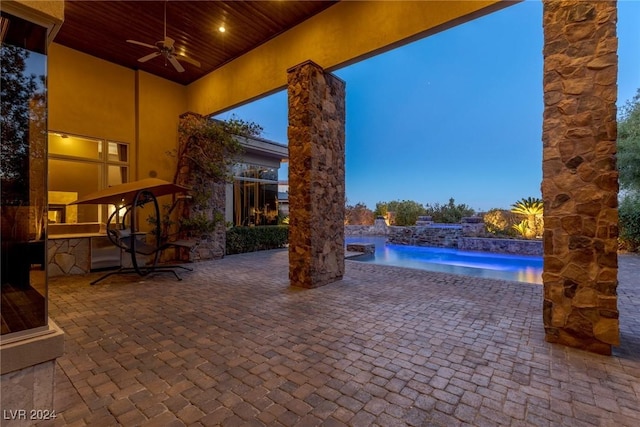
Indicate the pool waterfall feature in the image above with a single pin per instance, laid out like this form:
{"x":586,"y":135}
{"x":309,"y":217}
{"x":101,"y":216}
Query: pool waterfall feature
{"x":469,"y":235}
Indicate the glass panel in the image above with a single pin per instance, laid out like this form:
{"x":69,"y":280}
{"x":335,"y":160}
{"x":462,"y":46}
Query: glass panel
{"x":70,"y":179}
{"x":267,"y":210}
{"x":116,"y":175}
{"x":255,"y":203}
{"x":268,"y":173}
{"x":117,"y":152}
{"x":247,"y":170}
{"x":244,"y":170}
{"x":70,"y":145}
{"x":23,"y":173}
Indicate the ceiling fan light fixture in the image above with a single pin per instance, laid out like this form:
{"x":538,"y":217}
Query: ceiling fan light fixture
{"x":166,"y":48}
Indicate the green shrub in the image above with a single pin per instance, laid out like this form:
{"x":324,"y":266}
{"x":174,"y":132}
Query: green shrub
{"x":405,"y":212}
{"x":251,"y":239}
{"x":629,"y":212}
{"x":450,"y":213}
{"x":500,"y":222}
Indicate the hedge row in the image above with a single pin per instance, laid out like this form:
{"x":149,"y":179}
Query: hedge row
{"x":251,"y":239}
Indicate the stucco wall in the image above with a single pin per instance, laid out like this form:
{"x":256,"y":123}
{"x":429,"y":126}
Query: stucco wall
{"x":89,"y":96}
{"x":95,"y":98}
{"x":160,"y":103}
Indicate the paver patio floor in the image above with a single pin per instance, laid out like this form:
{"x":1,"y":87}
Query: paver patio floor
{"x":234,"y":345}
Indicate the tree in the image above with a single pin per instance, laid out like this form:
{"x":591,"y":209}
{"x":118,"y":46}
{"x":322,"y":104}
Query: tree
{"x":405,"y":212}
{"x":17,"y":90}
{"x":206,"y":151}
{"x":359,"y":214}
{"x":532,"y":209}
{"x":629,"y":211}
{"x":451,"y":213}
{"x":381,"y":210}
{"x":629,"y":144}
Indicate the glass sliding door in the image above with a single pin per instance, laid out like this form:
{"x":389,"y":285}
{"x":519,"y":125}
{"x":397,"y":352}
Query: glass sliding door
{"x":255,"y":195}
{"x":23,"y":175}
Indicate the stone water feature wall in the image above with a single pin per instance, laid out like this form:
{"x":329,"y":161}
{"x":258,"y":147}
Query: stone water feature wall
{"x":379,"y":228}
{"x":503,"y":246}
{"x":580,"y":181}
{"x":428,"y":233}
{"x":316,"y":176}
{"x":434,"y":235}
{"x":468,"y":236}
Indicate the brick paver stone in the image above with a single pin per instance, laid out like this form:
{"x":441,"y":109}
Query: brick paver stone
{"x":234,"y":344}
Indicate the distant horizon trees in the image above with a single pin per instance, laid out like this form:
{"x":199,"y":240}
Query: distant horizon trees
{"x":629,"y":169}
{"x":406,"y":212}
{"x":523,"y":218}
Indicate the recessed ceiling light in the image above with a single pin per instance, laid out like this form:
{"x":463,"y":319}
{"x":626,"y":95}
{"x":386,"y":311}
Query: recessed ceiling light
{"x":222,"y":29}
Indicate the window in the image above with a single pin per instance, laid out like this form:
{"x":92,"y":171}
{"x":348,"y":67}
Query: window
{"x":79,"y":166}
{"x":255,"y":195}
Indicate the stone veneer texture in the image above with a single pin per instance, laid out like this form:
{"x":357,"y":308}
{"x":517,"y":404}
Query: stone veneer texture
{"x":212,"y":245}
{"x":316,"y":176}
{"x":580,"y":181}
{"x":68,"y":256}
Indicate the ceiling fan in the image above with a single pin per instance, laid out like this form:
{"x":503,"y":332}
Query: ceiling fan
{"x":166,"y":49}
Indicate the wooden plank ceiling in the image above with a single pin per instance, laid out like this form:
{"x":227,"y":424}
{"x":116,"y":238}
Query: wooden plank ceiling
{"x":101,"y":28}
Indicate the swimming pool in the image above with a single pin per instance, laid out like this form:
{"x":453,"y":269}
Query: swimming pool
{"x":519,"y":268}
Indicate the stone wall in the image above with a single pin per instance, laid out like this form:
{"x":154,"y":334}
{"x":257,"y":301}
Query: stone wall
{"x":580,"y":181}
{"x":473,"y":226}
{"x":379,"y":228}
{"x":68,"y":256}
{"x":316,"y":176}
{"x":462,"y":236}
{"x":503,"y":246}
{"x":208,"y":245}
{"x":441,"y":237}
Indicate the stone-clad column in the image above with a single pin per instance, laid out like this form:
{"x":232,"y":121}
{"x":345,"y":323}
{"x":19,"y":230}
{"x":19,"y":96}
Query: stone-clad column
{"x":580,"y":180}
{"x":316,"y":176}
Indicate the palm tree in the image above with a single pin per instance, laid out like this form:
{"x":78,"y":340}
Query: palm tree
{"x":532,"y":208}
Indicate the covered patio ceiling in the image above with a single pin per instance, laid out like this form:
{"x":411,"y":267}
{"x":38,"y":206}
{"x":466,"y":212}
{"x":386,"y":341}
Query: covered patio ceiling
{"x":102,"y":28}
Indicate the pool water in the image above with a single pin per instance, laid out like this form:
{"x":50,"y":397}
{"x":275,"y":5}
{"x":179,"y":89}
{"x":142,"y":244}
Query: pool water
{"x":519,"y":268}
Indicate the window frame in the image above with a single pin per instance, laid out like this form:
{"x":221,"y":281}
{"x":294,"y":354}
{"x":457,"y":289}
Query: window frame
{"x":103,"y":161}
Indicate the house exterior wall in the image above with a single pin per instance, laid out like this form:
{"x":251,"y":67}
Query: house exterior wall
{"x":92,"y":97}
{"x":160,"y":103}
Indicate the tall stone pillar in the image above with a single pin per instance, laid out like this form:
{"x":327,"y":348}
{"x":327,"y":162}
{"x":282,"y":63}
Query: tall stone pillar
{"x":580,"y":180}
{"x":316,"y":176}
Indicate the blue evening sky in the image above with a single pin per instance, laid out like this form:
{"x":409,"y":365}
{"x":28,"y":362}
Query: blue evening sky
{"x":457,"y":114}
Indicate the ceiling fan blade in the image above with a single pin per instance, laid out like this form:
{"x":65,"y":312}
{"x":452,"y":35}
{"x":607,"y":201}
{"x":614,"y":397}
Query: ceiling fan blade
{"x":184,"y":58}
{"x":176,"y":64}
{"x":150,"y":56}
{"x":141,"y":44}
